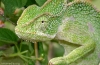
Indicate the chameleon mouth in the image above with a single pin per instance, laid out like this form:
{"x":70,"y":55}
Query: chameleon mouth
{"x":22,"y":32}
{"x":31,"y":36}
{"x":45,"y":35}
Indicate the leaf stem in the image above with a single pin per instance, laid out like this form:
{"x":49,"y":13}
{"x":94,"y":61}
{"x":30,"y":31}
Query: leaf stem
{"x":24,"y":52}
{"x":23,"y":58}
{"x":17,"y":48}
{"x":13,"y":55}
{"x":29,"y":58}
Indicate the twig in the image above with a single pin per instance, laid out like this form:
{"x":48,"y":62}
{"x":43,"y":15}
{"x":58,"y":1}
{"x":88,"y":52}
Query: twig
{"x":36,"y":53}
{"x":50,"y":53}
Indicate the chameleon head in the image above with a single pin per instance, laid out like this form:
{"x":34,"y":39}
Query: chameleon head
{"x":39,"y":27}
{"x":40,"y":23}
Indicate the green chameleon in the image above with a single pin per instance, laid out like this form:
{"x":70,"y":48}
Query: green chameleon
{"x":75,"y":25}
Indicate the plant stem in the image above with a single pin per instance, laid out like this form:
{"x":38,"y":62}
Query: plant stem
{"x":24,"y":52}
{"x":17,"y":48}
{"x":33,"y":59}
{"x":36,"y":52}
{"x":23,"y":58}
{"x":50,"y":53}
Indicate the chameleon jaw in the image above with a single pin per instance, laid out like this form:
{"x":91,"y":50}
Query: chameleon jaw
{"x":34,"y":36}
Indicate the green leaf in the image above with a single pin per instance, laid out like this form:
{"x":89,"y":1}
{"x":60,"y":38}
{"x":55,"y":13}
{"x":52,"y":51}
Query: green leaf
{"x":40,"y":2}
{"x":30,"y":2}
{"x":7,"y":36}
{"x":12,"y":5}
{"x":10,"y":60}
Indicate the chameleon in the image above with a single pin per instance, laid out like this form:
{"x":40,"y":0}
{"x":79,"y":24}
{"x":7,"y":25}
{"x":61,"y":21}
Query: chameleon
{"x":74,"y":25}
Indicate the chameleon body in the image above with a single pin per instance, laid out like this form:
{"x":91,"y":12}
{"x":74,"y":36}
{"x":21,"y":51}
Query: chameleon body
{"x":75,"y":25}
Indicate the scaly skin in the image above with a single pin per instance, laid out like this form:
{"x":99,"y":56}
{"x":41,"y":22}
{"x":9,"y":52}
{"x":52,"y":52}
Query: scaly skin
{"x":75,"y":25}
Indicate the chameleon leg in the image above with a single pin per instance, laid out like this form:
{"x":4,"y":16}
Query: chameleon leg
{"x":74,"y":55}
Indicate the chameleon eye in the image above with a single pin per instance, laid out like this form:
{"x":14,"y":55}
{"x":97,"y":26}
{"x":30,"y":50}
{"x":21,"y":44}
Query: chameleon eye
{"x":42,"y":21}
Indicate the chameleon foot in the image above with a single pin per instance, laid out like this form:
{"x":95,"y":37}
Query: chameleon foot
{"x":58,"y":61}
